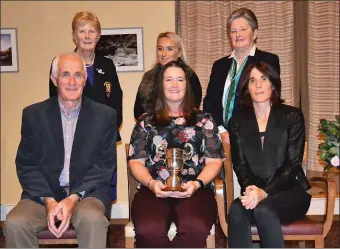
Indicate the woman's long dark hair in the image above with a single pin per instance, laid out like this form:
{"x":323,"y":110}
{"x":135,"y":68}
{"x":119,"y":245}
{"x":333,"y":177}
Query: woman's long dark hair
{"x":147,"y":86}
{"x":159,"y":107}
{"x":274,"y":78}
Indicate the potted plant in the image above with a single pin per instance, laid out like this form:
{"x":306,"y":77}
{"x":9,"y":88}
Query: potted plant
{"x":329,"y":149}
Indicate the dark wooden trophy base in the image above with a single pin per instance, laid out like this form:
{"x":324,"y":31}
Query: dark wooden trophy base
{"x":174,"y":188}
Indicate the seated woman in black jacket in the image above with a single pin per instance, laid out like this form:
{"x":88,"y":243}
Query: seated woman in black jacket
{"x":170,"y":47}
{"x":267,"y":143}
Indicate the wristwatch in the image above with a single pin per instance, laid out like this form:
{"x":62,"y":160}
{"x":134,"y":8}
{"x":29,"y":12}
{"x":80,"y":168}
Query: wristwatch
{"x":200,"y":182}
{"x":80,"y":196}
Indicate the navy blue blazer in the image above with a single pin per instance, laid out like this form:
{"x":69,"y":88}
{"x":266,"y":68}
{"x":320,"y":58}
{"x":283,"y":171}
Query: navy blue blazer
{"x":40,"y":156}
{"x":212,"y":101}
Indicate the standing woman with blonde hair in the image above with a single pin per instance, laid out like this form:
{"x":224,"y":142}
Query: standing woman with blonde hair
{"x":170,"y":47}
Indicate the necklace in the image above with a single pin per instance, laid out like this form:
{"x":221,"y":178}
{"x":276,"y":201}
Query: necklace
{"x":89,"y":65}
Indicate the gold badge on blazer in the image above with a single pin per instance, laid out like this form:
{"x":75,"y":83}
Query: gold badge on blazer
{"x":108,"y":89}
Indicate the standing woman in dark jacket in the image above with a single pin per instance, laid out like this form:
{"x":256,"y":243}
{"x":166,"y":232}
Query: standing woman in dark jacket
{"x":170,"y":47}
{"x":267,"y":141}
{"x":221,"y":101}
{"x":102,"y":83}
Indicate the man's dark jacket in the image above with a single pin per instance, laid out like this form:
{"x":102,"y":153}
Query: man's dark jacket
{"x":40,"y":156}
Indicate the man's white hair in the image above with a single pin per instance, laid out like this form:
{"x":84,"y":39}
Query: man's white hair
{"x":55,"y":64}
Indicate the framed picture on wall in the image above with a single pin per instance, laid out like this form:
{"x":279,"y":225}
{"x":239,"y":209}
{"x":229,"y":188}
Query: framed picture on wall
{"x":124,"y":46}
{"x":9,"y":50}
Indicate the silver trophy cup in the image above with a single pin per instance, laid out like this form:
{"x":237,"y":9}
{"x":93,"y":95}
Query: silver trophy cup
{"x":175,"y":159}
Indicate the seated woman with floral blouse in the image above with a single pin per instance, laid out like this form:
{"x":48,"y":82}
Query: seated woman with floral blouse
{"x":174,"y":123}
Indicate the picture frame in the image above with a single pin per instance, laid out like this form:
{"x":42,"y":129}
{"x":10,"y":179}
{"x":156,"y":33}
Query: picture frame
{"x":9,"y":50}
{"x":124,"y":46}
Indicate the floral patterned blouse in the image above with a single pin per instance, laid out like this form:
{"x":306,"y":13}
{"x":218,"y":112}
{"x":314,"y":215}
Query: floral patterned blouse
{"x":148,"y":141}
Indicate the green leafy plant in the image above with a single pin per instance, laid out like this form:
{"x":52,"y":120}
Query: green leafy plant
{"x":329,"y":149}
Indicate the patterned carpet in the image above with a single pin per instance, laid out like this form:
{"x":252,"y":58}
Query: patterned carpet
{"x":116,"y":238}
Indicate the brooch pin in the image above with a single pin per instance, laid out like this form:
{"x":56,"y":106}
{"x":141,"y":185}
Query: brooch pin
{"x":100,"y":71}
{"x":108,"y":89}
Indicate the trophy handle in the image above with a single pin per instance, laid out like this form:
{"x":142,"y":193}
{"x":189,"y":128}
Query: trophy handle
{"x":188,"y":151}
{"x":160,"y":150}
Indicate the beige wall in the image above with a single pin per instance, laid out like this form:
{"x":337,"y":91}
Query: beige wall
{"x":44,"y":30}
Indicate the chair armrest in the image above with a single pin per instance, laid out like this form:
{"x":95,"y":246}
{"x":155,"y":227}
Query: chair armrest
{"x":221,"y":204}
{"x":224,"y":190}
{"x":330,"y":199}
{"x":228,"y":171}
{"x":132,"y":183}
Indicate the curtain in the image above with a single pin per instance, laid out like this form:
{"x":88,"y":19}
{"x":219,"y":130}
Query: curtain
{"x":202,"y":25}
{"x":323,"y":71}
{"x":305,"y":35}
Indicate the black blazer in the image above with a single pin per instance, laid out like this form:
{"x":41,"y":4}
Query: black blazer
{"x":40,"y":156}
{"x":212,"y":101}
{"x":97,"y":92}
{"x":278,"y":166}
{"x":140,"y":101}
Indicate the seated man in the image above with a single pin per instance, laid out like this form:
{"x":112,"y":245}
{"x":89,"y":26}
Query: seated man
{"x":65,"y":162}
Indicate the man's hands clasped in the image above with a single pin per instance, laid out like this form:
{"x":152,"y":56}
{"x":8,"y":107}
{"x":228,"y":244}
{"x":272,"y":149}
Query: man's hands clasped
{"x":60,"y":212}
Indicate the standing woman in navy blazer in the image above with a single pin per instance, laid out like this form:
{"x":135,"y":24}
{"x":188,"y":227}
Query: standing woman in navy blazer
{"x":102,"y":84}
{"x":242,"y":29}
